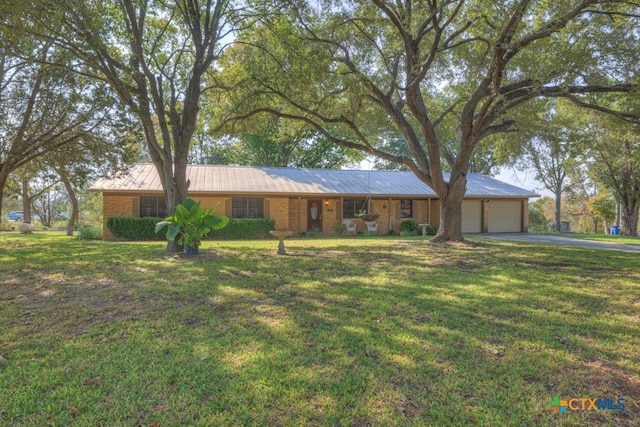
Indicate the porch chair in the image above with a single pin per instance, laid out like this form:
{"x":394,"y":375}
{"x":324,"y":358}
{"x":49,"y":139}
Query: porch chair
{"x":351,"y":226}
{"x":372,"y":226}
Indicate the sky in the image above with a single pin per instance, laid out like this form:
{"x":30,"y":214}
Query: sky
{"x":524,"y":179}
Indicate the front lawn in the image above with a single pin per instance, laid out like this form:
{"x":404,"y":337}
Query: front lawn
{"x":351,"y":332}
{"x":623,"y":240}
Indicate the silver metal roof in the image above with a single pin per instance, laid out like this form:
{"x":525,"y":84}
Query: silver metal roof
{"x":272,"y":181}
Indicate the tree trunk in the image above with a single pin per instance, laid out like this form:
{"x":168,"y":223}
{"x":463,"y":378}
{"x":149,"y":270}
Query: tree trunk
{"x":72,"y":197}
{"x":4,"y":174}
{"x":450,"y":229}
{"x":26,"y":201}
{"x":558,"y":208}
{"x":630,"y":209}
{"x":175,"y":190}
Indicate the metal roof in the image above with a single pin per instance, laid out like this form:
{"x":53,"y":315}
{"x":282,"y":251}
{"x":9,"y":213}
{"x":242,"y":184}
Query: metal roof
{"x":272,"y":181}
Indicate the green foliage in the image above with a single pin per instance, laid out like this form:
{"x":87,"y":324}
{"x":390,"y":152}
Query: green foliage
{"x":133,"y":228}
{"x":432,"y":230}
{"x":478,"y":67}
{"x":89,"y":232}
{"x":604,"y":207}
{"x":409,"y":225}
{"x":254,"y":228}
{"x":6,"y":225}
{"x":190,"y":223}
{"x":267,"y":141}
{"x":537,"y":220}
{"x":340,"y":229}
{"x":313,"y":232}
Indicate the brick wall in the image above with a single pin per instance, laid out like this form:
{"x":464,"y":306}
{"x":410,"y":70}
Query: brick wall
{"x":423,"y":213}
{"x":330,"y":216}
{"x":290,"y":213}
{"x":115,"y":205}
{"x":293,"y":216}
{"x":222,"y":204}
{"x":277,"y":208}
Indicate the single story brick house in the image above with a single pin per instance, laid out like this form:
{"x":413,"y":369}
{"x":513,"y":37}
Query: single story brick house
{"x":303,"y":199}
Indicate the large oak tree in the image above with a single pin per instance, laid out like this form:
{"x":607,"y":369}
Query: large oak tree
{"x":154,"y":54}
{"x":42,"y":108}
{"x":445,"y":74}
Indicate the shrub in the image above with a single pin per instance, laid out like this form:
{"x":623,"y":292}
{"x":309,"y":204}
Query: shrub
{"x":432,"y":230}
{"x":89,"y":232}
{"x":245,"y":229}
{"x":409,"y":226}
{"x":313,"y":232}
{"x":5,"y":225}
{"x":134,"y":228}
{"x":340,"y":229}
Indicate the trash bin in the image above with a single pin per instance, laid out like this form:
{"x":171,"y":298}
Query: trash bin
{"x":614,"y":230}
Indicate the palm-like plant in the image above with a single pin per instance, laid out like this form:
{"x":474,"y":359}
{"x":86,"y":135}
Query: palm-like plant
{"x":190,"y":223}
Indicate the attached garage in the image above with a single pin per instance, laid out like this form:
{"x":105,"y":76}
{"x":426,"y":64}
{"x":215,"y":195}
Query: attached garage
{"x":471,"y":216}
{"x":505,"y":216}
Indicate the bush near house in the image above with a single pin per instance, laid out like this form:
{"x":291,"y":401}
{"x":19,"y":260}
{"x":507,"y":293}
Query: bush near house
{"x":409,"y":226}
{"x":89,"y":232}
{"x":432,"y":230}
{"x":245,"y":229}
{"x":134,"y":228}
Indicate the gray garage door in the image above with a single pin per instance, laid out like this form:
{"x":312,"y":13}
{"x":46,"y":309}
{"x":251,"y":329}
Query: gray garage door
{"x":471,"y":216}
{"x":505,"y":216}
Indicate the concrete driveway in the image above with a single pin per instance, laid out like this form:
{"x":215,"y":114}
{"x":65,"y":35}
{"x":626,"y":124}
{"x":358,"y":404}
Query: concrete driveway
{"x":562,"y":241}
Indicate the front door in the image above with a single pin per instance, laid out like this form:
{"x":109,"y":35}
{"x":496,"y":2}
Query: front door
{"x":314,"y":214}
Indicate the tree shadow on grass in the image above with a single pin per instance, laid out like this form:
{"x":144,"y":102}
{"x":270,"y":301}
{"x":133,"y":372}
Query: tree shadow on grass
{"x":388,"y":332}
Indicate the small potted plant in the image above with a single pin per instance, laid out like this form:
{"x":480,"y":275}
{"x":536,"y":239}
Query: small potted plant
{"x":190,"y":223}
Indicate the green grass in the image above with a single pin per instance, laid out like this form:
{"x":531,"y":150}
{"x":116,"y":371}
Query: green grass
{"x":624,"y":240}
{"x":349,"y":332}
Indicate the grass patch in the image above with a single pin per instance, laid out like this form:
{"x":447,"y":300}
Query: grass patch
{"x":624,"y":240}
{"x":347,"y":332}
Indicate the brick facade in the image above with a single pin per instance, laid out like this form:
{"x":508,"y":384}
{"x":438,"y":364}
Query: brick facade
{"x":290,"y":212}
{"x":118,"y":205}
{"x":277,"y":208}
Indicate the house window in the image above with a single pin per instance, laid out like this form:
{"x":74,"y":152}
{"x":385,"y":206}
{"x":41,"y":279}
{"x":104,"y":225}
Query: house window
{"x":406,"y":209}
{"x":247,"y":207}
{"x":350,"y":207}
{"x":153,"y":206}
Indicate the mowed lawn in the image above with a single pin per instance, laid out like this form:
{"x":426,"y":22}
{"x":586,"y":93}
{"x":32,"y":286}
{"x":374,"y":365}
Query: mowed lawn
{"x":352,"y":332}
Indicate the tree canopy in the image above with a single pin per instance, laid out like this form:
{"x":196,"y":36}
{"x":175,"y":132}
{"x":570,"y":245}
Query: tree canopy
{"x":43,"y":108}
{"x":154,"y":55}
{"x":444,"y":74}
